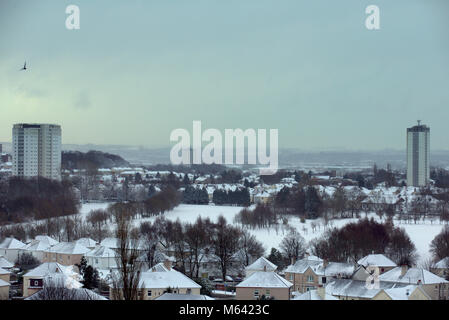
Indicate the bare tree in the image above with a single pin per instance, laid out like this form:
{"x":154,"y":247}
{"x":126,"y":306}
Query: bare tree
{"x":293,"y":245}
{"x":125,"y":282}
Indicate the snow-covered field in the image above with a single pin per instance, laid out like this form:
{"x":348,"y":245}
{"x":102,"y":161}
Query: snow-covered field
{"x":421,"y":234}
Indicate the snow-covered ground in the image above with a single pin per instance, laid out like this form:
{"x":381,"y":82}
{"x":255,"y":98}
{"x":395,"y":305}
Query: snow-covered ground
{"x":421,"y":234}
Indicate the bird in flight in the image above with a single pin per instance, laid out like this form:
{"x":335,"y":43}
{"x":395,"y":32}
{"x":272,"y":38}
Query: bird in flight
{"x":24,"y":66}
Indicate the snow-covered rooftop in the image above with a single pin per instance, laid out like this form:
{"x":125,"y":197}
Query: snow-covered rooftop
{"x":49,"y":268}
{"x":87,"y":242}
{"x":442,"y":264}
{"x":46,"y":239}
{"x":165,"y":280}
{"x":101,"y":252}
{"x":11,"y":243}
{"x":5,"y":263}
{"x":313,"y":295}
{"x":411,"y":276}
{"x":4,"y":283}
{"x":69,"y":248}
{"x":268,"y":279}
{"x":378,"y":260}
{"x":36,"y":245}
{"x":261,"y":264}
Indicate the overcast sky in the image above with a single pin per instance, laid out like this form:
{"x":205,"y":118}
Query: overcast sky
{"x":136,"y":70}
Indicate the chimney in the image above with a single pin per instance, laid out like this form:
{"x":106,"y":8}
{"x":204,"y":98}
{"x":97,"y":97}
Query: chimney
{"x":306,"y":255}
{"x":293,"y":260}
{"x":321,"y":291}
{"x":167,"y":264}
{"x":325,"y":263}
{"x":404,"y":269}
{"x":265,"y":268}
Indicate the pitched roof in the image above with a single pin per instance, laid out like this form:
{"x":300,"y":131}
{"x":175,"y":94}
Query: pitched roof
{"x":11,"y":243}
{"x":317,"y":266}
{"x":268,"y":279}
{"x":73,"y":294}
{"x":262,"y":264}
{"x":101,"y":252}
{"x":5,"y":263}
{"x":46,"y":239}
{"x":313,"y":295}
{"x":4,"y":283}
{"x":411,"y":276}
{"x":48,"y":268}
{"x":442,"y":264}
{"x":3,"y":271}
{"x":356,"y":288}
{"x":160,"y":267}
{"x":69,"y":248}
{"x":37,"y":245}
{"x":87,"y":242}
{"x":378,"y":260}
{"x":302,"y":265}
{"x":403,"y":293}
{"x":164,"y":280}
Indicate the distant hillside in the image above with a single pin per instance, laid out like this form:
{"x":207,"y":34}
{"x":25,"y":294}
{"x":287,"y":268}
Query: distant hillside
{"x":91,"y":159}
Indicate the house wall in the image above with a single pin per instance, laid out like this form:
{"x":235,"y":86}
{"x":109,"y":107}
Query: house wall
{"x":300,"y":280}
{"x":157,"y":292}
{"x":102,"y":263}
{"x":10,"y":254}
{"x":247,"y":293}
{"x":5,"y":277}
{"x":62,"y":258}
{"x":4,"y":293}
{"x":27,"y":289}
{"x":39,"y":255}
{"x":437,"y":291}
{"x":418,"y":295}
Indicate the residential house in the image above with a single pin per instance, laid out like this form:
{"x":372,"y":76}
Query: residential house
{"x":87,"y":242}
{"x":441,"y":268}
{"x":46,"y":239}
{"x":37,"y":249}
{"x":102,"y":258}
{"x":162,"y":280}
{"x":318,"y":294}
{"x":264,"y":284}
{"x":5,"y":264}
{"x":33,"y":280}
{"x":312,"y":272}
{"x":4,"y":289}
{"x":10,"y":249}
{"x":436,"y":287}
{"x":377,"y":260}
{"x":66,"y":253}
{"x":5,"y":275}
{"x":261,"y":264}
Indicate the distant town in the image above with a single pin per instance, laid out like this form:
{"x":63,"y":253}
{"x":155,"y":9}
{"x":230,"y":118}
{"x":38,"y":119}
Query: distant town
{"x":91,"y":226}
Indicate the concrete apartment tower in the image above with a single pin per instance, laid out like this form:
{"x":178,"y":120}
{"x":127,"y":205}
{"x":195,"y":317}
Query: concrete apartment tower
{"x":37,"y":150}
{"x":418,"y":155}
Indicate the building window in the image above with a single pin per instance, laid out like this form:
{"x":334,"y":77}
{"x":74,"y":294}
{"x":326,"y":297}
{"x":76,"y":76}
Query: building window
{"x":267,"y":293}
{"x":309,"y":278}
{"x":149,"y":293}
{"x":256,"y":294}
{"x":291,"y":276}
